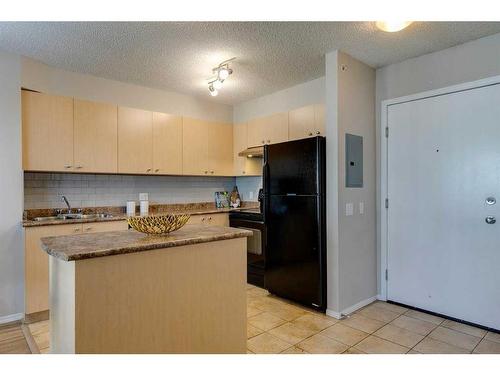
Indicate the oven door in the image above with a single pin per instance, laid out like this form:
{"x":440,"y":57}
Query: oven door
{"x":256,"y":249}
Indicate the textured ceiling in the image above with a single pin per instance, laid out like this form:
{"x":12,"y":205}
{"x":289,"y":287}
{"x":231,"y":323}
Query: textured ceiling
{"x":178,"y":56}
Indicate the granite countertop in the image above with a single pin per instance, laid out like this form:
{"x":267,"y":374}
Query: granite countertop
{"x":93,"y":245}
{"x":122,"y":216}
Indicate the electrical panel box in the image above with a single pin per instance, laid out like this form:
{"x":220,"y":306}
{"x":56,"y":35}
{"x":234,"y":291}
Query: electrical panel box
{"x":353,"y":161}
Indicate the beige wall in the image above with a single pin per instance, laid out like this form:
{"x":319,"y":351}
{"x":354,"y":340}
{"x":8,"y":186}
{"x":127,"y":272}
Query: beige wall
{"x":352,"y":260}
{"x":11,"y":191}
{"x":463,"y":63}
{"x":41,"y":77}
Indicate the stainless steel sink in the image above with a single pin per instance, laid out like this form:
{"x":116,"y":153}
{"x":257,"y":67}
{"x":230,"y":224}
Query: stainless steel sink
{"x":73,"y":217}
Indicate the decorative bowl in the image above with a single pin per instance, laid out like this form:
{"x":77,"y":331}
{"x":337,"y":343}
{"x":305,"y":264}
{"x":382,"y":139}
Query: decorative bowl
{"x":161,"y":224}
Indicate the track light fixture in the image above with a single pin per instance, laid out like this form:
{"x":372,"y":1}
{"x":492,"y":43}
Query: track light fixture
{"x":220,"y":74}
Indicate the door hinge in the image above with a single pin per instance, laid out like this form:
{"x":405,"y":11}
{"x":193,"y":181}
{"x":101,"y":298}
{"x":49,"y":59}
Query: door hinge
{"x":386,"y":274}
{"x":387,"y":132}
{"x":386,"y":202}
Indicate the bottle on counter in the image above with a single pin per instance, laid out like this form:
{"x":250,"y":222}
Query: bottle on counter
{"x":235,"y":198}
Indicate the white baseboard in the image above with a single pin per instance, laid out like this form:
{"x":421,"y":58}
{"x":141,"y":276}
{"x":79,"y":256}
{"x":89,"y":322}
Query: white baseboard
{"x":11,"y":318}
{"x":351,"y":309}
{"x":381,"y":298}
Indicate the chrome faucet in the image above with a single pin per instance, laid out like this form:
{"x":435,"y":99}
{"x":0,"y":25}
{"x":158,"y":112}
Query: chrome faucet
{"x":65,"y":200}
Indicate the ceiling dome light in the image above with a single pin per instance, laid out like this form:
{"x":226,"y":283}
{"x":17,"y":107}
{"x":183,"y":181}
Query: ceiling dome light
{"x":217,"y":84}
{"x":392,"y":26}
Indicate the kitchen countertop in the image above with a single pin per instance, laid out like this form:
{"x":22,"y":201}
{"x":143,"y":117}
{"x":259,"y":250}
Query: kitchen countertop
{"x":122,"y":216}
{"x":93,"y":245}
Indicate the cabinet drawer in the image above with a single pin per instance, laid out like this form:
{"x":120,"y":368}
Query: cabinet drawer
{"x":105,"y":227}
{"x":221,"y":219}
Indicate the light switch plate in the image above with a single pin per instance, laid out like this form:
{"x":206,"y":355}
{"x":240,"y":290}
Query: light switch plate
{"x":361,"y":208}
{"x":250,"y":195}
{"x":349,"y":209}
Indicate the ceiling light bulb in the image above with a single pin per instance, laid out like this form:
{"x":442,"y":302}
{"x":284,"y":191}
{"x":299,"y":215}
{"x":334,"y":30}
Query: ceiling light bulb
{"x":217,"y":84}
{"x":223,"y":73}
{"x":392,"y":26}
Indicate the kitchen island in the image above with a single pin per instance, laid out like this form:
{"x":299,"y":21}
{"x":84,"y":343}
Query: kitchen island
{"x":127,"y":292}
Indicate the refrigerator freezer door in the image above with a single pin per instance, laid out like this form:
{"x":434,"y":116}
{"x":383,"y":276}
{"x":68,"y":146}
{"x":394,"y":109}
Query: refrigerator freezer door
{"x":292,"y":167}
{"x":294,"y":264}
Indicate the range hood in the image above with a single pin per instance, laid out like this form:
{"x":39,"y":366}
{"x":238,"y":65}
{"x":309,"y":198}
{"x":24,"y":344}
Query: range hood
{"x":253,"y":152}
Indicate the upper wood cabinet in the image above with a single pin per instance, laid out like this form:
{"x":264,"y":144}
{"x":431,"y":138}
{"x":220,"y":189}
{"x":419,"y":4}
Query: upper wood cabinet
{"x":307,"y":121}
{"x":167,"y":144}
{"x":244,"y":166}
{"x":268,"y":130}
{"x":220,"y":149}
{"x":135,"y":141}
{"x":95,"y":137}
{"x":195,"y":147}
{"x":47,"y":122}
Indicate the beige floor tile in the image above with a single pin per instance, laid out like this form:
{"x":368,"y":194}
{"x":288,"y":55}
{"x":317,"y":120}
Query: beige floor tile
{"x":287,"y":312}
{"x":376,"y":345}
{"x":344,"y":334}
{"x":250,"y":286}
{"x":414,"y":325}
{"x":253,"y":331}
{"x":315,"y":322}
{"x":267,"y":344}
{"x":265,"y":321}
{"x":425,"y":317}
{"x":391,"y":307}
{"x":294,"y":350}
{"x":431,"y":346}
{"x":487,"y":347}
{"x":291,"y":333}
{"x":455,"y":338}
{"x":413,"y":351}
{"x":399,"y":335}
{"x":492,"y":336}
{"x":256,"y":291}
{"x":362,"y":323}
{"x":320,"y":344}
{"x":353,"y":351}
{"x":464,"y":328}
{"x":252,"y":311}
{"x":378,"y":313}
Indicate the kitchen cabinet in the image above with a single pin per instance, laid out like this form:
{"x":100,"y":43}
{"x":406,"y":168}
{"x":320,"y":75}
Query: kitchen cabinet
{"x":37,"y":261}
{"x":95,"y":137}
{"x":194,"y":147}
{"x":244,"y":166}
{"x":135,"y":141}
{"x":308,"y":121}
{"x":219,"y":219}
{"x":220,"y":149}
{"x":268,"y":130}
{"x":167,"y":144}
{"x":47,"y":131}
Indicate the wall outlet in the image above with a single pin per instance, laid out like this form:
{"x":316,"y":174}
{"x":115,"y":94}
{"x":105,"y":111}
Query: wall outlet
{"x":250,"y":195}
{"x":349,"y":209}
{"x":361,"y":208}
{"x":143,"y":196}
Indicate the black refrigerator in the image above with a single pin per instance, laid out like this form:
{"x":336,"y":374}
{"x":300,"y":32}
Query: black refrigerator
{"x":294,"y":186}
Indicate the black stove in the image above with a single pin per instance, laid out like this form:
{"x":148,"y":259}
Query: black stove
{"x":248,"y":214}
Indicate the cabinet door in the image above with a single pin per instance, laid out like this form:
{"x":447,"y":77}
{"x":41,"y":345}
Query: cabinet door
{"x":37,"y":264}
{"x":243,"y":166}
{"x":47,"y":132}
{"x":135,"y":141}
{"x":255,"y":132}
{"x":319,"y":119}
{"x":167,"y":143}
{"x":96,"y":137}
{"x":108,"y":226}
{"x":194,"y":147}
{"x":276,"y":128}
{"x":301,"y":122}
{"x":220,"y":149}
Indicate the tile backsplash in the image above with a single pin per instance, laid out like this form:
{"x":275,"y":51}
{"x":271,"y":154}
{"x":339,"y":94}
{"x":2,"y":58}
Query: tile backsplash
{"x":44,"y":190}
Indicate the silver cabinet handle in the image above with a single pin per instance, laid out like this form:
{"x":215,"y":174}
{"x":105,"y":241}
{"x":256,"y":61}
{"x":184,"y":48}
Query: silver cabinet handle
{"x":67,"y":166}
{"x":79,"y":167}
{"x":243,"y":172}
{"x":212,"y":172}
{"x":77,"y":229}
{"x":157,"y":170}
{"x":490,"y":220}
{"x":210,"y":218}
{"x":318,"y":132}
{"x":202,"y":219}
{"x":148,"y":170}
{"x":268,"y":141}
{"x":263,"y":142}
{"x":206,"y":172}
{"x":310,"y":134}
{"x":88,"y":229}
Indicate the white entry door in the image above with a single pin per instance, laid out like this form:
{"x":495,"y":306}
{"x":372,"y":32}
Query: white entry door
{"x":443,"y":165}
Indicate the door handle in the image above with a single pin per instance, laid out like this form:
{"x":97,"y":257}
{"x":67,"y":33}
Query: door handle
{"x":490,"y":220}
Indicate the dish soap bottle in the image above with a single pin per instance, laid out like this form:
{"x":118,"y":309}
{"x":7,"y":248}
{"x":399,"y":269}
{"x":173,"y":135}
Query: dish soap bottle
{"x":235,"y":198}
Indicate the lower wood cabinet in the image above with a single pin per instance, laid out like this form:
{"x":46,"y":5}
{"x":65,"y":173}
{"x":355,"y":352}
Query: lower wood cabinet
{"x":37,"y":261}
